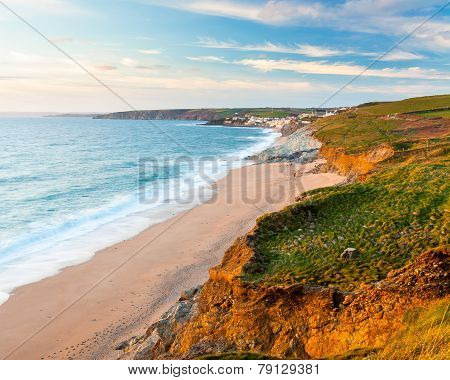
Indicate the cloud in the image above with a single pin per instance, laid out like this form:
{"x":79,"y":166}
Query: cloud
{"x":323,"y":67}
{"x":150,"y":51}
{"x":401,"y":55}
{"x":106,"y":67}
{"x":152,"y":67}
{"x":207,"y":59}
{"x":47,"y":6}
{"x":387,"y":17}
{"x":129,"y":62}
{"x":406,"y":90}
{"x":270,"y":47}
{"x":271,"y":12}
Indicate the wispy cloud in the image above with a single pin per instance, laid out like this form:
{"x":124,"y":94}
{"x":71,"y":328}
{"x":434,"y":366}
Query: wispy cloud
{"x":325,"y":68}
{"x":271,"y":12}
{"x":270,"y":47}
{"x":150,"y":51}
{"x":209,"y":58}
{"x":402,"y":55}
{"x":129,"y":62}
{"x":65,"y":7}
{"x":105,"y":67}
{"x":387,"y":17}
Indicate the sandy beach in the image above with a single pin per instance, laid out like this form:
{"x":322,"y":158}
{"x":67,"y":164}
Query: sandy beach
{"x":85,"y":310}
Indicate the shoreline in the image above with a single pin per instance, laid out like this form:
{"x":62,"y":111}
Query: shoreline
{"x":110,"y":230}
{"x":139,"y":291}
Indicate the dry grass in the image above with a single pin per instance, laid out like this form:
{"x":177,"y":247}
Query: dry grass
{"x":425,"y":337}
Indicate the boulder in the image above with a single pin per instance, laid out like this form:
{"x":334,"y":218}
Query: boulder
{"x":349,"y":253}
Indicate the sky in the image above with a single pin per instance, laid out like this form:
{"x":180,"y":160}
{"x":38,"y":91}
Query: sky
{"x":160,"y":54}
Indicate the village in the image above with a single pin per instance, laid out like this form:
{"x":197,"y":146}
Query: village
{"x":304,"y":118}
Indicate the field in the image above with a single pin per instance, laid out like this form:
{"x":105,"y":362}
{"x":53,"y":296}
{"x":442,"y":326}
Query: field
{"x":439,"y":113}
{"x":389,"y":219}
{"x":408,"y":105}
{"x":363,"y":128}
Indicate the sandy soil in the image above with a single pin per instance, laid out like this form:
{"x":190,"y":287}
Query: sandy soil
{"x":85,"y":310}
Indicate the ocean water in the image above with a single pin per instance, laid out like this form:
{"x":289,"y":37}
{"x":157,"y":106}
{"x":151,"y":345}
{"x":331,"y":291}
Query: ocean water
{"x":72,"y":186}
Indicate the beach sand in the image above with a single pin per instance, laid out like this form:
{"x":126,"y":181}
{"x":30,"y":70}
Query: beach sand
{"x":86,"y":310}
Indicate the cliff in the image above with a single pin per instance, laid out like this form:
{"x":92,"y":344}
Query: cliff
{"x":300,"y":146}
{"x":215,"y":115}
{"x":177,"y":114}
{"x":354,"y":271}
{"x":292,"y":321}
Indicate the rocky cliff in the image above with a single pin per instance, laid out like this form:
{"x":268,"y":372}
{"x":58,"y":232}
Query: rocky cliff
{"x":300,"y":146}
{"x":297,"y":321}
{"x":176,"y":114}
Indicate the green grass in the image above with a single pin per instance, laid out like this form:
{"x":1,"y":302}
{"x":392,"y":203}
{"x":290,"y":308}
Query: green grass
{"x":367,"y":127}
{"x":438,"y":113}
{"x":408,"y":105}
{"x":390,"y":218}
{"x":356,"y":133}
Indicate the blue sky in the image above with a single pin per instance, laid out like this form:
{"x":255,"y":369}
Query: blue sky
{"x":235,"y":53}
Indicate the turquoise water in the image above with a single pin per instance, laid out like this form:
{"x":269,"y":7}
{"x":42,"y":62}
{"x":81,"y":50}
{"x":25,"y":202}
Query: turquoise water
{"x":71,"y":186}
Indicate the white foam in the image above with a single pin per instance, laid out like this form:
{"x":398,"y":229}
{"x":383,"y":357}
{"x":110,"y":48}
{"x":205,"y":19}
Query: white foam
{"x":76,"y":240}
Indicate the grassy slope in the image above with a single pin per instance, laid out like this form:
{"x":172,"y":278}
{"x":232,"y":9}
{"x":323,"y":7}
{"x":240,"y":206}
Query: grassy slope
{"x":390,"y":218}
{"x":367,"y":127}
{"x":409,"y":105}
{"x":259,"y":112}
{"x":442,"y":113}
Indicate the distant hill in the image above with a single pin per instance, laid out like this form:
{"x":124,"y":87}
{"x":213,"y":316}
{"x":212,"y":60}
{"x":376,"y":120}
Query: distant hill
{"x":394,"y":123}
{"x":425,"y":103}
{"x":207,"y":114}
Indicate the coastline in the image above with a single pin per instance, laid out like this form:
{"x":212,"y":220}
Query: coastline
{"x":75,"y":237}
{"x":151,"y":280}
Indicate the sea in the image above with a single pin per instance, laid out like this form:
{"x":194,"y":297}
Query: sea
{"x":72,"y":186}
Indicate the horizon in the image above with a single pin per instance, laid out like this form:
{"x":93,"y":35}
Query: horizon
{"x":193,"y":54}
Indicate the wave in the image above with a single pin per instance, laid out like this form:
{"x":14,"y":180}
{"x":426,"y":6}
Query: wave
{"x":74,"y":240}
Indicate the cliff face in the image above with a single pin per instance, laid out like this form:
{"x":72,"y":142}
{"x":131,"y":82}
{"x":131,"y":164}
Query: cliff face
{"x":229,"y":315}
{"x":180,"y":114}
{"x":358,"y":164}
{"x":300,"y":146}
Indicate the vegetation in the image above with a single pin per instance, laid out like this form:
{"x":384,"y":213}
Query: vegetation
{"x":426,"y":335}
{"x":366,"y":127}
{"x":445,"y":113}
{"x":408,"y":105}
{"x":393,"y":216}
{"x":259,"y":112}
{"x":356,"y":133}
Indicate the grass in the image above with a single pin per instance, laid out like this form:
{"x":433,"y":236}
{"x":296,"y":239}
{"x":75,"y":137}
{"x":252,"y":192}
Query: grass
{"x":359,"y":130}
{"x":438,"y":113}
{"x":390,"y":218}
{"x":408,"y":105}
{"x":425,"y":337}
{"x":259,"y":112}
{"x":356,"y":133}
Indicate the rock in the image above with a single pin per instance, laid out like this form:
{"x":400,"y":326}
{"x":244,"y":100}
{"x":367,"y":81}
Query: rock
{"x":127,"y":343}
{"x":189,"y":294}
{"x":349,"y":253}
{"x":301,"y":147}
{"x":160,"y":335}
